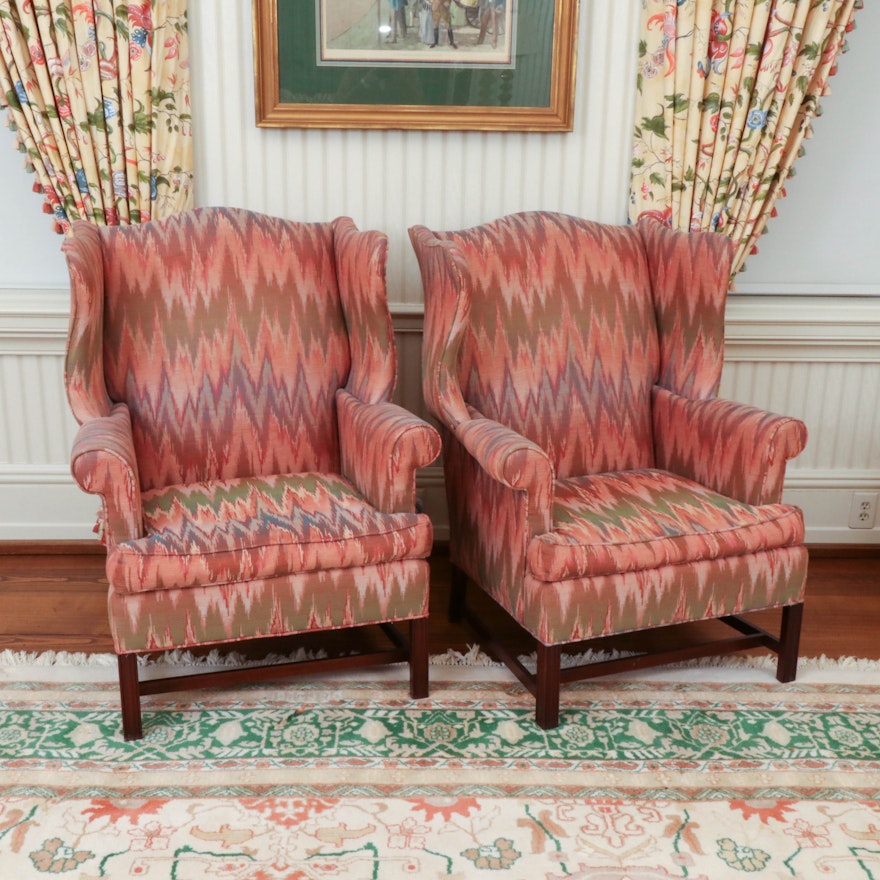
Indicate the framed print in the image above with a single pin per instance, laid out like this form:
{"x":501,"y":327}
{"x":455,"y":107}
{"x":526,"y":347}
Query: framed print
{"x":502,"y":65}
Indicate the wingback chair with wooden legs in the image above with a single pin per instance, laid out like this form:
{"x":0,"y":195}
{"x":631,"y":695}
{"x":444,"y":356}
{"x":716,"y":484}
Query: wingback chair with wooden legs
{"x":596,"y":484}
{"x":232,"y":376}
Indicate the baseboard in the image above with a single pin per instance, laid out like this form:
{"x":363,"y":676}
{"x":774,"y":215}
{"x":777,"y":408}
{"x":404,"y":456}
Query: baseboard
{"x":44,"y":504}
{"x":826,"y":509}
{"x":49,"y":507}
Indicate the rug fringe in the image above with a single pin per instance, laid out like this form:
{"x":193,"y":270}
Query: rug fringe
{"x":55,"y":658}
{"x":473,"y":657}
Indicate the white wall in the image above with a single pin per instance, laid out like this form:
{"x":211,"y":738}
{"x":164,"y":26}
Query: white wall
{"x":827,"y":226}
{"x":30,"y":253}
{"x":816,"y":357}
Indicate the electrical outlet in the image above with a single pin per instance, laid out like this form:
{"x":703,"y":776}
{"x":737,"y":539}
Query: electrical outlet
{"x":863,"y":512}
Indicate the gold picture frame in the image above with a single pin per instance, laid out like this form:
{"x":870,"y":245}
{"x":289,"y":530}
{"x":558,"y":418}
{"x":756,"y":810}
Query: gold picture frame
{"x":318,"y":65}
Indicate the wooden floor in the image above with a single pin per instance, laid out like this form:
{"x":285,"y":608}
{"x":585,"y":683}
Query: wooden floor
{"x":58,"y":602}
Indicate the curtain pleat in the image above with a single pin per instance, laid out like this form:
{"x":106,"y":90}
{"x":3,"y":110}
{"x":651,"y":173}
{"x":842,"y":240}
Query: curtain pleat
{"x":726,"y":93}
{"x":99,"y":95}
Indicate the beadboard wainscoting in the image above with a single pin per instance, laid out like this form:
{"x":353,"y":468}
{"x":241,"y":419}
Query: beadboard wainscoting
{"x":817,"y":358}
{"x":40,"y":501}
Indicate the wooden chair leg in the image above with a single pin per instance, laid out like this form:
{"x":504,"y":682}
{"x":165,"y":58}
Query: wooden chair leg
{"x":789,"y":642}
{"x":457,"y":594}
{"x":418,"y":658}
{"x":130,"y":696}
{"x":548,"y":683}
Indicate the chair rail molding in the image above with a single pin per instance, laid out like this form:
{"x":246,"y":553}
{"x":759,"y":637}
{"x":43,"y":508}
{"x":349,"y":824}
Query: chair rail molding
{"x":33,"y":319}
{"x":814,"y":357}
{"x":811,"y":329}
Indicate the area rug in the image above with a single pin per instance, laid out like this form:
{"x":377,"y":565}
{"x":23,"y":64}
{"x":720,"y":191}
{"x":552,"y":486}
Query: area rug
{"x":647,"y":777}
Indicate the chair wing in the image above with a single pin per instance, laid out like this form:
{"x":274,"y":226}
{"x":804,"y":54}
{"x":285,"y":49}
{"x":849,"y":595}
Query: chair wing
{"x":445,"y":273}
{"x":689,"y":276}
{"x":232,"y":373}
{"x":84,"y":363}
{"x":596,"y":484}
{"x":360,"y":267}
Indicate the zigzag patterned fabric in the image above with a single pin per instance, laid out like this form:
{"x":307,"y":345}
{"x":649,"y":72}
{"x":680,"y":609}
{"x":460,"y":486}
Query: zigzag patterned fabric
{"x":689,"y":280}
{"x":555,"y":346}
{"x":339,"y":597}
{"x":595,"y":483}
{"x":560,"y":612}
{"x":642,"y":519}
{"x":227,"y":531}
{"x":225,"y":320}
{"x":738,"y":450}
{"x":232,"y":373}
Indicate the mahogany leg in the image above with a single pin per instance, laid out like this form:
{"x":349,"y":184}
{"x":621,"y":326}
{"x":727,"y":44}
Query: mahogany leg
{"x":418,"y":658}
{"x":457,"y":594}
{"x":789,"y":642}
{"x":130,"y":696}
{"x":548,"y":683}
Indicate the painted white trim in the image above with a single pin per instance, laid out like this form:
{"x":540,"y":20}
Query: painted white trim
{"x":43,"y":503}
{"x":46,"y":507}
{"x":780,"y":314}
{"x":34,"y":302}
{"x":776,"y":329}
{"x":33,"y":321}
{"x":841,"y":535}
{"x":850,"y":479}
{"x":800,"y":288}
{"x":431,"y":478}
{"x":35,"y":474}
{"x":762,"y":317}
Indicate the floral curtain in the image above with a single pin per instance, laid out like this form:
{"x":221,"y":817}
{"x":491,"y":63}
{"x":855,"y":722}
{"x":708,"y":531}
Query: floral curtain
{"x":98,"y":93}
{"x":727,"y":90}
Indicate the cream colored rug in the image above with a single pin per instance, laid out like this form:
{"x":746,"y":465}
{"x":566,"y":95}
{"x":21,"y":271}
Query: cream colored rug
{"x":703,"y":772}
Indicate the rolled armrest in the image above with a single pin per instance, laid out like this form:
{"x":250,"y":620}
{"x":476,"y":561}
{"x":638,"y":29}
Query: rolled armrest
{"x":382,"y":446}
{"x":514,"y":461}
{"x":737,"y":450}
{"x":103,"y":463}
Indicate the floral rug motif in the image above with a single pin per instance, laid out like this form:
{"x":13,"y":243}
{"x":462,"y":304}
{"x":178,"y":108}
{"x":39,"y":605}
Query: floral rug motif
{"x":643,"y":780}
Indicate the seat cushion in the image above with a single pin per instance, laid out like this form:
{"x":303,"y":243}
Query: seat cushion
{"x":260,"y":527}
{"x":642,"y":519}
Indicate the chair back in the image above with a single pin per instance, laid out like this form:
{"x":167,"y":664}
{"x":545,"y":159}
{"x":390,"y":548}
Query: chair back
{"x":223,"y":332}
{"x":561,"y":341}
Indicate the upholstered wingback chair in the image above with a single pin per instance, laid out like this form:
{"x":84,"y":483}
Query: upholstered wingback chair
{"x":596,"y":484}
{"x":232,"y":374}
